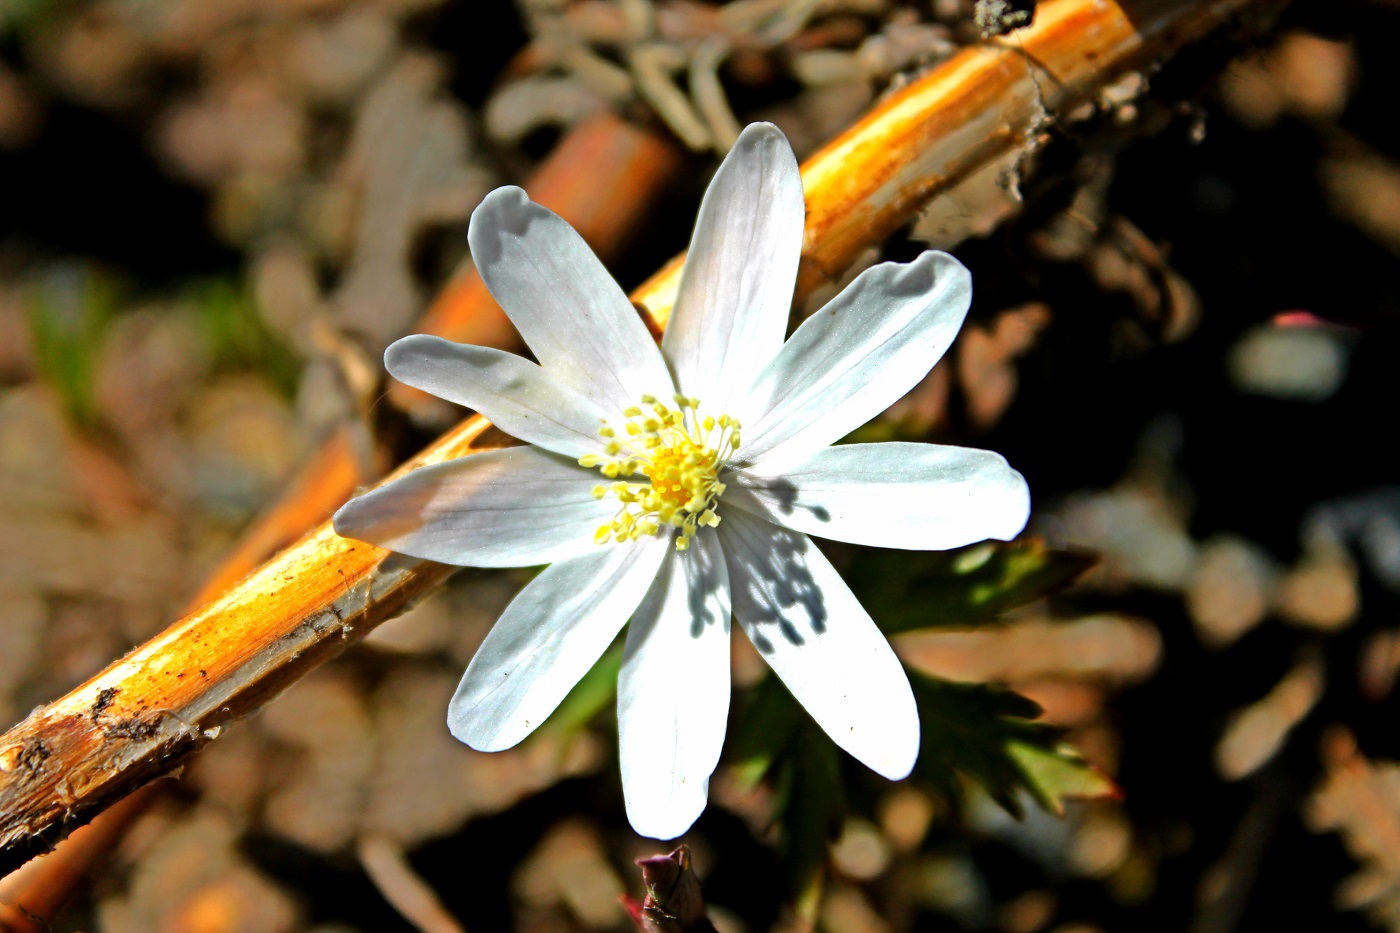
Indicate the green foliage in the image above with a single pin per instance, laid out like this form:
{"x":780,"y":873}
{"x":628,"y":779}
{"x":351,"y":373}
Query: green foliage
{"x":1055,"y":774}
{"x":594,"y":693}
{"x":907,"y":590}
{"x":977,"y":733}
{"x":985,"y":733}
{"x":971,"y":733}
{"x":811,"y":808}
{"x":774,"y":738}
{"x":70,"y":308}
{"x":768,"y":721}
{"x":68,"y":312}
{"x":235,"y":337}
{"x":20,"y":16}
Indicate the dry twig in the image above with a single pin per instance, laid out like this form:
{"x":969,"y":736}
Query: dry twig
{"x":388,"y":867}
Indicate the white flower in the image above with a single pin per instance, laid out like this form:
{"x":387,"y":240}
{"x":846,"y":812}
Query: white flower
{"x":716,"y":464}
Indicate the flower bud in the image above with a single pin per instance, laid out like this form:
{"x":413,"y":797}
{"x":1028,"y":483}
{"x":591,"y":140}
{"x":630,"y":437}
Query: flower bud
{"x":673,"y":901}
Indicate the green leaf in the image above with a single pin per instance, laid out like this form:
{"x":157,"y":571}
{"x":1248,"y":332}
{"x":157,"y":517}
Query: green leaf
{"x":68,"y":313}
{"x":981,"y":733}
{"x":907,"y":590}
{"x":22,"y":16}
{"x":811,"y":808}
{"x":594,"y":693}
{"x":773,"y":737}
{"x":986,"y":734}
{"x":763,"y":731}
{"x":1054,"y":774}
{"x":235,"y":336}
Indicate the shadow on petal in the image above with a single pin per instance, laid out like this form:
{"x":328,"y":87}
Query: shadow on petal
{"x":775,"y":580}
{"x":814,"y":634}
{"x":704,"y":571}
{"x":782,"y":494}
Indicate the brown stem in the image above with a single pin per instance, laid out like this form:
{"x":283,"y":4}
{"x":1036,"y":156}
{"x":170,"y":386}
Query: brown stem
{"x":144,"y":714}
{"x":29,"y":896}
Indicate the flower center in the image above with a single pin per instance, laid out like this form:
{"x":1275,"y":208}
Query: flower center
{"x":681,"y":454}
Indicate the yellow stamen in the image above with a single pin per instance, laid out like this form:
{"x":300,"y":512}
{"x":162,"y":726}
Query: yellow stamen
{"x":680,"y":453}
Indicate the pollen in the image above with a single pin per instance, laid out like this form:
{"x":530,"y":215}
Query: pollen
{"x":676,"y":455}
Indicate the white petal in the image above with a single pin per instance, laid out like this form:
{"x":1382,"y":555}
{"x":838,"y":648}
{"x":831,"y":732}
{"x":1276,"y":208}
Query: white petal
{"x":673,"y":691}
{"x":855,"y":357}
{"x":735,"y":294}
{"x":573,"y":316}
{"x":809,"y":627}
{"x":548,"y":638}
{"x":504,"y":508}
{"x":518,"y":396}
{"x":915,"y":496}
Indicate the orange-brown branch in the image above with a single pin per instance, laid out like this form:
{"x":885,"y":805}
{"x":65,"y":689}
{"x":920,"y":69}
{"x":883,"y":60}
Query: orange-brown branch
{"x":141,"y":716}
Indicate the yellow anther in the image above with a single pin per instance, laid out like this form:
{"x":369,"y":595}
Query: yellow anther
{"x":679,"y":454}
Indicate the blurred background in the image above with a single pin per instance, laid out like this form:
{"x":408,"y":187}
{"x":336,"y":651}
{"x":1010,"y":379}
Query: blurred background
{"x":214,"y":214}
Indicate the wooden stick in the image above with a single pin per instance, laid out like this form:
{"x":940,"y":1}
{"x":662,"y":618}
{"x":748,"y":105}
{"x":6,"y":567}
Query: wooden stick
{"x":38,"y":890}
{"x":143,"y":715}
